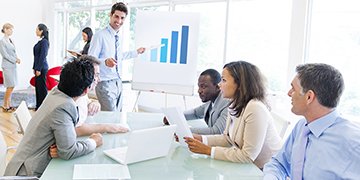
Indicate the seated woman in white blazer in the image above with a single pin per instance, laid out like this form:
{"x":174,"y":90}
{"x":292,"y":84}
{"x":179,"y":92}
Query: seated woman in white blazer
{"x":250,"y":135}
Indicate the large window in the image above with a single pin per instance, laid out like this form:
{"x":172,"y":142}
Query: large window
{"x":77,"y":21}
{"x":60,"y":35}
{"x":73,"y":16}
{"x":271,"y":34}
{"x":335,"y":40}
{"x":212,"y":33}
{"x":259,"y":32}
{"x":101,"y":19}
{"x":267,"y":31}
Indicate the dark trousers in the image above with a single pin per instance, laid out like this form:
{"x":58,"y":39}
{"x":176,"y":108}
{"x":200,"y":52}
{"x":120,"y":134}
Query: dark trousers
{"x":40,"y":88}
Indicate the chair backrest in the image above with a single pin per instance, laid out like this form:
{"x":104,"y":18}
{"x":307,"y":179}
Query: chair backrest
{"x":1,"y":78}
{"x":23,"y":116}
{"x":19,"y":178}
{"x":281,"y":124}
{"x":3,"y":152}
{"x":50,"y":81}
{"x":54,"y":70}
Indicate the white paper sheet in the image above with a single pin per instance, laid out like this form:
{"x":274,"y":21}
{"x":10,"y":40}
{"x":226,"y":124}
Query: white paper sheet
{"x":175,"y":116}
{"x":100,"y":171}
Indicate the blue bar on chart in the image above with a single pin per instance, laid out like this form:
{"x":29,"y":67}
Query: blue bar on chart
{"x":174,"y":46}
{"x":184,"y":44}
{"x":163,"y":50}
{"x":153,"y":55}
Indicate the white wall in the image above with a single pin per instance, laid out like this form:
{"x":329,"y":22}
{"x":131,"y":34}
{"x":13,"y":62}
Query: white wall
{"x":25,"y":16}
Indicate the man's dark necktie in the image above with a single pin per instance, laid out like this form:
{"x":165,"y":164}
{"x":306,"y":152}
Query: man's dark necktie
{"x":116,"y":52}
{"x":207,"y":115}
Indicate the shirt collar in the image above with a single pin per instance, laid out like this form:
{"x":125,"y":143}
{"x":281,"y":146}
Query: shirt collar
{"x":217,"y":99}
{"x":7,"y":39}
{"x":318,"y":126}
{"x":111,"y":30}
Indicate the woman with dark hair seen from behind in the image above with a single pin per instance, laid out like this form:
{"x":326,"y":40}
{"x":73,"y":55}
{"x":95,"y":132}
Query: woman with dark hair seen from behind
{"x":250,"y":135}
{"x":9,"y":61}
{"x":86,"y":35}
{"x":40,"y":66}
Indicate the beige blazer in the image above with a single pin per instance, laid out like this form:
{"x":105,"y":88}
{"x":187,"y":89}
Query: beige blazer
{"x":254,"y":138}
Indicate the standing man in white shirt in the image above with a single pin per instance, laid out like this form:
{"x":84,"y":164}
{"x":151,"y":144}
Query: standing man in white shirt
{"x":105,"y":46}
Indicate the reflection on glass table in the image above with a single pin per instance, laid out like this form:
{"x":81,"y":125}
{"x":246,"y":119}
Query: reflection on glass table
{"x":180,"y":163}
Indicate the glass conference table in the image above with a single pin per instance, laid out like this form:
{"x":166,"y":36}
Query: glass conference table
{"x":180,"y":163}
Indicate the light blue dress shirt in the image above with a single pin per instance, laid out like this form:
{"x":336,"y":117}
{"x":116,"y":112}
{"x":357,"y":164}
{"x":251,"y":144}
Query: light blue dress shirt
{"x":102,"y":46}
{"x":333,"y":151}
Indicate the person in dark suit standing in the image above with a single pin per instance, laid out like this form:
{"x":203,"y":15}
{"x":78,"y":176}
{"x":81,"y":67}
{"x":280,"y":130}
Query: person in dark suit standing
{"x":40,"y":66}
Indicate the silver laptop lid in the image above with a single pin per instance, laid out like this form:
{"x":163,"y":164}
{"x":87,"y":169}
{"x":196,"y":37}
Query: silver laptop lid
{"x":145,"y":144}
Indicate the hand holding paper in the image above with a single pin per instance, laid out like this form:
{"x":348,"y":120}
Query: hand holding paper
{"x":196,"y":146}
{"x":175,"y":116}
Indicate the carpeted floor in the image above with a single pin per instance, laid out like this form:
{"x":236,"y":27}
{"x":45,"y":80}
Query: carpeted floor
{"x":17,"y":96}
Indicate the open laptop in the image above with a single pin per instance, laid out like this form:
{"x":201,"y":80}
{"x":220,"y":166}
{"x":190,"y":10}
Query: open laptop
{"x":144,"y":144}
{"x":176,"y":117}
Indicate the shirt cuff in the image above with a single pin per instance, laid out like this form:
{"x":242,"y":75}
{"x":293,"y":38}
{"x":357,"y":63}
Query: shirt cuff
{"x":212,"y":155}
{"x":134,"y":54}
{"x":79,"y":124}
{"x":204,"y":140}
{"x":91,"y":142}
{"x":270,"y":177}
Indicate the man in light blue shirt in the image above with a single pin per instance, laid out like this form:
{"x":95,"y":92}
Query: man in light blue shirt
{"x":333,"y":146}
{"x":105,"y":46}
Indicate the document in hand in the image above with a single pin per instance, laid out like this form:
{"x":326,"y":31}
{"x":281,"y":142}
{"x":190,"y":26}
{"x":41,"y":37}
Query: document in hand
{"x":74,"y":52}
{"x":175,"y":116}
{"x":100,"y":171}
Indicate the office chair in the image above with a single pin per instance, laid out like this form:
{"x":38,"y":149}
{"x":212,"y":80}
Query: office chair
{"x":281,"y":124}
{"x":3,"y":153}
{"x":50,"y":81}
{"x":1,"y":78}
{"x":22,"y":116}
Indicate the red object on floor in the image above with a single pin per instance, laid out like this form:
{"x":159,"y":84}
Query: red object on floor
{"x":50,"y":82}
{"x":1,"y":78}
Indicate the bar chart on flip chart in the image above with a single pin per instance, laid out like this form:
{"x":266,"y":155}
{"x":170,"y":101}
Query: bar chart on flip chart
{"x":159,"y":52}
{"x":169,"y":62}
